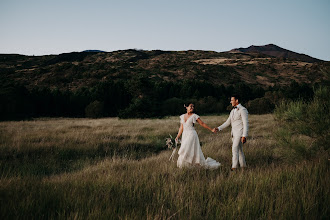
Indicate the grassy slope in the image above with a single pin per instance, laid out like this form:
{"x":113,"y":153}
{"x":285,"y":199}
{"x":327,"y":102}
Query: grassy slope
{"x":75,"y":70}
{"x":110,"y":168}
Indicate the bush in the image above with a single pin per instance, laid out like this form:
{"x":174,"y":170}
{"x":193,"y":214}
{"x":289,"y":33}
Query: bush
{"x":209,"y":105}
{"x":260,"y":106}
{"x":139,"y":108}
{"x":94,"y":110}
{"x":173,"y":106}
{"x":305,"y":126}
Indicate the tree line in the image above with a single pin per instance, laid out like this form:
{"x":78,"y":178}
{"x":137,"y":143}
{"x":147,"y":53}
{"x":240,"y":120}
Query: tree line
{"x":139,"y":97}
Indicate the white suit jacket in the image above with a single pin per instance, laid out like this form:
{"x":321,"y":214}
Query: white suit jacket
{"x":239,"y":122}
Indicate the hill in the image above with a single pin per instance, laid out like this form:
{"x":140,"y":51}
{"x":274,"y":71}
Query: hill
{"x":276,"y":51}
{"x":79,"y":69}
{"x":139,"y":83}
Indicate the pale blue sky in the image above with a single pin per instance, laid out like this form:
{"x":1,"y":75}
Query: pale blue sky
{"x":38,"y":27}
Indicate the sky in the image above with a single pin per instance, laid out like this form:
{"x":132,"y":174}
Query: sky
{"x":42,"y":27}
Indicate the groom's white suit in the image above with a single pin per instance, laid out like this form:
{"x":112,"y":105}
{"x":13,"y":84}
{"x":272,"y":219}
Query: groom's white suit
{"x":238,"y":119}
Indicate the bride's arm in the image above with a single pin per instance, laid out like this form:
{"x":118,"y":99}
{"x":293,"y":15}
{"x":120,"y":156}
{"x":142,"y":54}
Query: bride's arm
{"x":203,"y":124}
{"x":179,"y":133}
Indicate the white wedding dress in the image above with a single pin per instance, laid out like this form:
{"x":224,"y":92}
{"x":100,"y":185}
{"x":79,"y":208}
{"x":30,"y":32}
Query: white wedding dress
{"x":190,"y":153}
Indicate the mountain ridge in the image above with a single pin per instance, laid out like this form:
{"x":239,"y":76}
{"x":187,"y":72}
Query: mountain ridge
{"x":83,"y":69}
{"x":141,"y":83}
{"x":276,"y":51}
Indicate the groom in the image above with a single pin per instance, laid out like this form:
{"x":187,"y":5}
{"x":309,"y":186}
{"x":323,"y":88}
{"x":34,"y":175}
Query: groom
{"x":238,"y":119}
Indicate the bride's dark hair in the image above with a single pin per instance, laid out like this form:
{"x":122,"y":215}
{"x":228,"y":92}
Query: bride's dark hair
{"x":189,"y":103}
{"x":185,"y":105}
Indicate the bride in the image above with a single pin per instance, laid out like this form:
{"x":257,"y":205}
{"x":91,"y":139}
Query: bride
{"x":190,"y":153}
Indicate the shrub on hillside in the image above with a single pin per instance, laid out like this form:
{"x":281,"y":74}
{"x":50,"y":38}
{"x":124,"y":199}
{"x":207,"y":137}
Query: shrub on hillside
{"x":260,"y":106}
{"x":141,"y":107}
{"x":172,"y":106}
{"x":209,"y":105}
{"x":94,"y":110}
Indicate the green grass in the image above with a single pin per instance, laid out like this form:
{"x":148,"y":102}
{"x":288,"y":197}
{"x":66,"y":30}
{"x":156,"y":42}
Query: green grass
{"x":119,"y":169}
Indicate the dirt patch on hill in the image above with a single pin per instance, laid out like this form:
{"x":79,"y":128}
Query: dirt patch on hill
{"x":231,"y":62}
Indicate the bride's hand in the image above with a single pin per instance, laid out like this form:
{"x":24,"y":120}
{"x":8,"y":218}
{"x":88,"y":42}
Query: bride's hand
{"x":215,"y":130}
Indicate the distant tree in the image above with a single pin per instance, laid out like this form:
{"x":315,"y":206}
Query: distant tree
{"x":296,"y":90}
{"x":244,"y":91}
{"x":260,"y":106}
{"x":196,"y":94}
{"x":15,"y":102}
{"x":186,"y":90}
{"x":94,"y":110}
{"x":208,"y":105}
{"x":140,"y":107}
{"x":172,"y":106}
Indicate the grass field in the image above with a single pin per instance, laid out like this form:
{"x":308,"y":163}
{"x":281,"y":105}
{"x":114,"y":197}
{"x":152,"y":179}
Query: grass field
{"x":119,"y":169}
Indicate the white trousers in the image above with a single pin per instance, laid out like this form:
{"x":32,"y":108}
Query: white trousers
{"x":238,"y":155}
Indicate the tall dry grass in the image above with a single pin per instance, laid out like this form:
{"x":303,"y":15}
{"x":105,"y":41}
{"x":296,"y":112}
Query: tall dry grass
{"x":119,"y":169}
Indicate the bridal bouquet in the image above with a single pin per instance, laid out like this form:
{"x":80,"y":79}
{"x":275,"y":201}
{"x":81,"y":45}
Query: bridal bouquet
{"x":172,"y":143}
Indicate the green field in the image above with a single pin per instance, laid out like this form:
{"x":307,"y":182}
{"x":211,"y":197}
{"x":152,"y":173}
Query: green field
{"x":119,"y":169}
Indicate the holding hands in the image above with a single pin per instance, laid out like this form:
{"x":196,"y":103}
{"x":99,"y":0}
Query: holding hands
{"x":215,"y":130}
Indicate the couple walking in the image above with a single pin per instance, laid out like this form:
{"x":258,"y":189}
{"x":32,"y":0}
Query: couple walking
{"x":190,"y":153}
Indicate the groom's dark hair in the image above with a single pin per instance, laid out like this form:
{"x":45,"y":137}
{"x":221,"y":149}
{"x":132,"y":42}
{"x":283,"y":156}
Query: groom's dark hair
{"x":236,"y":97}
